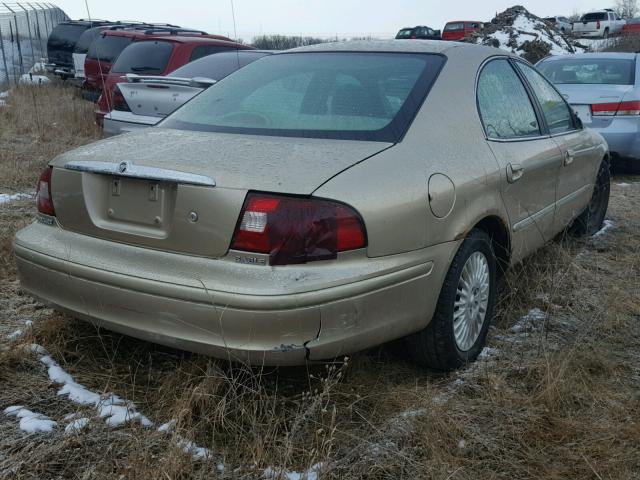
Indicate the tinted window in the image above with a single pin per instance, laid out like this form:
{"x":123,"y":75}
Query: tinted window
{"x":367,"y":96}
{"x":106,"y":48}
{"x":67,"y":34}
{"x":593,"y":17}
{"x":505,"y":107}
{"x":590,"y":71}
{"x":149,"y":57}
{"x":405,"y":33}
{"x":85,"y":40}
{"x":452,"y":27}
{"x":555,"y":109}
{"x":204,"y":50}
{"x":219,"y":65}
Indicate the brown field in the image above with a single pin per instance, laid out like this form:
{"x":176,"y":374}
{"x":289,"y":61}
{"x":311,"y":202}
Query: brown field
{"x":557,"y":395}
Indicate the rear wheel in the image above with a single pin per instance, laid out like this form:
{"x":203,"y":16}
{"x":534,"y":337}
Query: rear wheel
{"x":457,"y":332}
{"x":605,"y":35}
{"x":592,"y":218}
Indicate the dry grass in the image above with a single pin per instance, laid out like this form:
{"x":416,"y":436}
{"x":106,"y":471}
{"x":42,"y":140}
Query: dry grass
{"x":558,"y":400}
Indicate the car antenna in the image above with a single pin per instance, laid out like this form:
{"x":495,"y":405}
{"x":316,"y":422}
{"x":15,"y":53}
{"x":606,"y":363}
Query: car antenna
{"x":235,"y":32}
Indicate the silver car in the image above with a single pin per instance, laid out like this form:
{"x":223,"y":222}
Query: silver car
{"x":145,"y":100}
{"x":561,"y":23}
{"x":604,"y":90}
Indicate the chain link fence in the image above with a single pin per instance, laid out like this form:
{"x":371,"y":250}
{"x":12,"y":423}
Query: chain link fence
{"x":24,"y":30}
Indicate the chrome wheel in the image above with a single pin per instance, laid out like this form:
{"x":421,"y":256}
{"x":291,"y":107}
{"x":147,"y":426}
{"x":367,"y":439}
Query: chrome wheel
{"x":472,"y":298}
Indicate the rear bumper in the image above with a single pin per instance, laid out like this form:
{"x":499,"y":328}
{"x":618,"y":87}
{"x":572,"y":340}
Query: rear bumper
{"x":256,"y":314}
{"x":621,"y":133}
{"x":589,"y":34}
{"x":117,"y":122}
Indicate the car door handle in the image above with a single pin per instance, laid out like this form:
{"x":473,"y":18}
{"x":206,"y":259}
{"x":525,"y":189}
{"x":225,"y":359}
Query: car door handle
{"x":515,"y":171}
{"x":569,"y":155}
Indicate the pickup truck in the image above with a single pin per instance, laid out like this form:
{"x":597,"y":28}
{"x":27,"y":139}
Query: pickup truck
{"x":599,"y":24}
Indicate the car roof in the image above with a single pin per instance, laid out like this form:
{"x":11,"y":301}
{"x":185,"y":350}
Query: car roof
{"x":400,"y":46}
{"x":620,"y":55}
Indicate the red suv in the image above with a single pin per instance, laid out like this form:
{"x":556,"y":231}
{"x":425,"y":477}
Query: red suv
{"x":159,"y":56}
{"x":459,"y":29}
{"x":104,"y":50}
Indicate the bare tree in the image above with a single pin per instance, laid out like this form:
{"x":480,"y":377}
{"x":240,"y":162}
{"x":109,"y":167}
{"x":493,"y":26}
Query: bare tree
{"x":626,"y":8}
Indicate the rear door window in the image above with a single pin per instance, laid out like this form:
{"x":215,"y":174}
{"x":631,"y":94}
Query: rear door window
{"x":504,"y":105}
{"x":107,"y":48}
{"x":85,"y":40}
{"x":204,"y":50}
{"x":555,"y":110}
{"x":145,"y":58}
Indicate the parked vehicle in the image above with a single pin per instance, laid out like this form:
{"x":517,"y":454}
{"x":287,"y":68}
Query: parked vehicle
{"x":84,"y":42}
{"x":108,"y":46}
{"x":158,"y":55}
{"x":418,"y":33}
{"x":458,"y":30}
{"x":563,"y":24}
{"x":604,"y":90}
{"x":142,"y":101}
{"x":632,"y":27}
{"x":61,"y":43}
{"x":318,"y":202}
{"x":601,"y":23}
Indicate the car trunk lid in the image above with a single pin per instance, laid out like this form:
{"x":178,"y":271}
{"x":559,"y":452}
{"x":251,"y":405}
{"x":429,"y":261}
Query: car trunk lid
{"x":183,"y":191}
{"x":583,"y":96}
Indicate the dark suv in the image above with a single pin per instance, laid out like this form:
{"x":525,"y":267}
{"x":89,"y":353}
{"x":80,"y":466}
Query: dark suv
{"x":418,"y":33}
{"x":62,"y":41}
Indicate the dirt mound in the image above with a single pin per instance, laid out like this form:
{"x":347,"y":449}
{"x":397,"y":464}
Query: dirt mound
{"x":519,"y":31}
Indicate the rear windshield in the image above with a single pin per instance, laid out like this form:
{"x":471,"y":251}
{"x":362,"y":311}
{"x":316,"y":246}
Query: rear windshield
{"x":85,"y":40}
{"x":360,"y":96}
{"x":66,"y":35}
{"x":107,"y":48}
{"x":592,"y":17}
{"x":219,"y":65}
{"x":452,"y":27}
{"x":405,"y":33}
{"x":148,"y":58}
{"x":590,"y":71}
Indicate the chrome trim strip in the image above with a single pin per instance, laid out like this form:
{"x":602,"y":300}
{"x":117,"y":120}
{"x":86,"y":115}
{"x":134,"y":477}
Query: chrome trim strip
{"x":128,"y":169}
{"x":572,"y":196}
{"x":522,"y":224}
{"x":517,"y":139}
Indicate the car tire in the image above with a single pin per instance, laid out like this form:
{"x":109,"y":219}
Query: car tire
{"x":592,"y":217}
{"x":605,"y":34}
{"x":442,"y":344}
{"x":633,"y":166}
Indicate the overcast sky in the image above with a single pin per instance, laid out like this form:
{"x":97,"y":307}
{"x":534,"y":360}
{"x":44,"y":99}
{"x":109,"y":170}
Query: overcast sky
{"x":344,"y":18}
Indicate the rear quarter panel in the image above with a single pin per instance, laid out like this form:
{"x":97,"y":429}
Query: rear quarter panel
{"x":390,"y":190}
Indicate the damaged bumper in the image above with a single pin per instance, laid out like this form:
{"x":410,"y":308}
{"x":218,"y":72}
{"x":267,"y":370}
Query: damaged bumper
{"x":250,"y":313}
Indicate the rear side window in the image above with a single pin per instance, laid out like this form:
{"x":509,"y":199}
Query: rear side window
{"x":204,"y":50}
{"x":219,"y":65}
{"x":590,"y":71}
{"x":594,"y":17}
{"x":66,"y":35}
{"x":555,"y":110}
{"x":505,"y":108}
{"x":106,"y":48}
{"x":405,"y":33}
{"x":453,"y":27}
{"x":148,"y":58}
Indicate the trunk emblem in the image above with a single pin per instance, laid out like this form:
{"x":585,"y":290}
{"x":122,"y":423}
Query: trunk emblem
{"x":123,"y":167}
{"x":193,"y":217}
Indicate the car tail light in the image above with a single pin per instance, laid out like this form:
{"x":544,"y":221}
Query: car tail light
{"x":118,"y":101}
{"x":293,"y":230}
{"x":44,"y":197}
{"x":616,"y":108}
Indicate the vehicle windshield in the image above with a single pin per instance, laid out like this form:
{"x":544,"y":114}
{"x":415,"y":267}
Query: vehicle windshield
{"x":592,"y":17}
{"x":452,"y":27}
{"x":590,"y":71}
{"x":144,"y":58}
{"x":218,"y":65}
{"x":106,"y":48}
{"x":405,"y":33}
{"x":350,"y":95}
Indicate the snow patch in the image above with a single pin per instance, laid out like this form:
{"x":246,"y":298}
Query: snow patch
{"x":7,"y":197}
{"x":623,"y":184}
{"x":311,"y":474}
{"x":606,"y":226}
{"x":76,"y":425}
{"x":31,"y":79}
{"x":530,"y":321}
{"x":30,"y":422}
